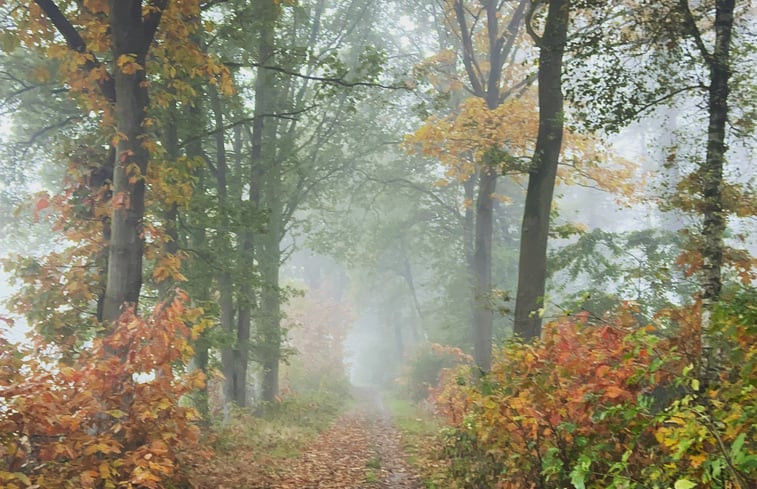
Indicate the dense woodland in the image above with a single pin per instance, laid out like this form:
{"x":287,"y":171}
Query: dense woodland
{"x":378,"y":243}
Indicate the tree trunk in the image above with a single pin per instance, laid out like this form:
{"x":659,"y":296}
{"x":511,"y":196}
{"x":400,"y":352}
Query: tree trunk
{"x":127,"y":242}
{"x":246,"y":280}
{"x":532,"y":268}
{"x":712,"y":170}
{"x":199,"y":281}
{"x":469,"y":187}
{"x":483,"y":317}
{"x":234,"y":388}
{"x":714,"y":219}
{"x":270,"y":309}
{"x":265,"y":186}
{"x":487,"y":86}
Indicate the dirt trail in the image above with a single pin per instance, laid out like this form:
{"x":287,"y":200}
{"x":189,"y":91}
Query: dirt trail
{"x":362,"y":450}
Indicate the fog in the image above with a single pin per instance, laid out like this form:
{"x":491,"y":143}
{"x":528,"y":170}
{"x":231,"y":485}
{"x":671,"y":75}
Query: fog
{"x":390,"y":243}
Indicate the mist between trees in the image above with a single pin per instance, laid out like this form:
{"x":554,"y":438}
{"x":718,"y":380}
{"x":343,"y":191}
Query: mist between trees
{"x":532,"y":221}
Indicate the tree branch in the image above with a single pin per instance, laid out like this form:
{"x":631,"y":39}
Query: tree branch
{"x":326,"y":79}
{"x":529,"y":18}
{"x":32,"y":139}
{"x":691,"y":25}
{"x":245,"y":120}
{"x":77,"y":44}
{"x":151,"y":22}
{"x":469,"y":60}
{"x":521,"y":85}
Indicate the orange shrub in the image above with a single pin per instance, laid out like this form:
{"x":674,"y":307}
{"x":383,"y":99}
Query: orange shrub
{"x":109,"y":418}
{"x":610,"y":405}
{"x":581,"y":392}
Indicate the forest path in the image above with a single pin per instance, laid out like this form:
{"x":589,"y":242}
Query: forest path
{"x":361,"y":450}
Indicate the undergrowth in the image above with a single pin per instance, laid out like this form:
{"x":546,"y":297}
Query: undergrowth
{"x":251,"y":448}
{"x":419,"y":430}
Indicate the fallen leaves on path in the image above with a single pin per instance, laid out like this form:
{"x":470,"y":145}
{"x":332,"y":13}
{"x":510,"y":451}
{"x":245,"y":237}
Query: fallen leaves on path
{"x":337,"y":459}
{"x":359,"y":451}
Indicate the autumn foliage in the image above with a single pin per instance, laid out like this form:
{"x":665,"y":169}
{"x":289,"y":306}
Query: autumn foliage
{"x":111,"y":417}
{"x":317,"y":326}
{"x":607,"y":404}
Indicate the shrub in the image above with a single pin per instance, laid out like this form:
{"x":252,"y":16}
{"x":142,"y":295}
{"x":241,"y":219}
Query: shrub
{"x":577,"y":409}
{"x":546,"y":408}
{"x":423,"y":369}
{"x":111,"y":418}
{"x":708,"y":435}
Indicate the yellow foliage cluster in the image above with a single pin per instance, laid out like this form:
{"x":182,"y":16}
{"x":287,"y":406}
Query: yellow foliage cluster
{"x":462,"y":140}
{"x":504,"y":138}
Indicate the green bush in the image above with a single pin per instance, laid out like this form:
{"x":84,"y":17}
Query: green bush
{"x":423,"y":369}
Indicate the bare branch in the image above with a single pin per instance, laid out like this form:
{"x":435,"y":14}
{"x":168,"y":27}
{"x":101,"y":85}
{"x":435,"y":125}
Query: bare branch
{"x":469,"y":56}
{"x":326,"y":79}
{"x":529,"y":19}
{"x":691,"y":26}
{"x":246,"y":120}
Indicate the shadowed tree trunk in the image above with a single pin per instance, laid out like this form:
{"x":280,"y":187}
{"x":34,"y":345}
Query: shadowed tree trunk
{"x":483,"y":316}
{"x":131,"y":38}
{"x":712,"y":170}
{"x":532,"y":268}
{"x":265,"y":186}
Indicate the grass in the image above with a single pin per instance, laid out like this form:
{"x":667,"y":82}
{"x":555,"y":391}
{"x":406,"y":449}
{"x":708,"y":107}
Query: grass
{"x":372,"y":477}
{"x":279,"y":430}
{"x":373,"y":474}
{"x":419,"y":429}
{"x":373,"y":463}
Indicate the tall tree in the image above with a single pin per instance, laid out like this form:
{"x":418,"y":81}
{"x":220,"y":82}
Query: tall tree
{"x":688,"y":48}
{"x":265,"y":195}
{"x":711,"y":170}
{"x":532,"y":269}
{"x":714,"y":220}
{"x":487,"y":84}
{"x":131,"y":27}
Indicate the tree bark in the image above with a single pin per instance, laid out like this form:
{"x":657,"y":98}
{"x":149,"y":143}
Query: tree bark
{"x":265,"y":186}
{"x":124,"y":280}
{"x":532,"y":266}
{"x":714,"y":221}
{"x":714,"y":217}
{"x":483,"y":316}
{"x":270,"y":305}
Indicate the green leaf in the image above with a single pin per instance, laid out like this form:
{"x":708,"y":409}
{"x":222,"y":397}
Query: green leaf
{"x":684,"y":484}
{"x":578,"y":474}
{"x":736,"y":447}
